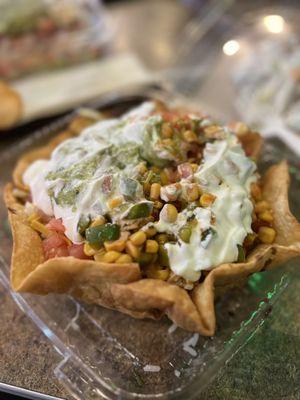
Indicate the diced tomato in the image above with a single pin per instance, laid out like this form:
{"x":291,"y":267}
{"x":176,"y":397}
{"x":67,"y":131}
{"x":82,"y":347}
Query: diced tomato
{"x":76,"y":250}
{"x":55,"y":245}
{"x":185,"y":170}
{"x":56,"y":225}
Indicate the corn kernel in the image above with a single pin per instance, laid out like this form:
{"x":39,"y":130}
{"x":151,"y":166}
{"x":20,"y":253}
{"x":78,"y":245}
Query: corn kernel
{"x":132,"y":250}
{"x":39,"y":227}
{"x":261,"y":206}
{"x":211,"y":130}
{"x":115,"y":202}
{"x":162,"y":274}
{"x":111,"y":256}
{"x":266,"y":216}
{"x":266,"y":234}
{"x":168,"y":142}
{"x":166,"y":130}
{"x":88,"y":250}
{"x":164,"y":178}
{"x":99,"y":255}
{"x":151,"y":246}
{"x":155,"y":191}
{"x":138,"y":238}
{"x":192,"y":192}
{"x":256,"y":192}
{"x":169,"y":213}
{"x":124,"y":259}
{"x":206,"y":199}
{"x":190,"y":136}
{"x":155,"y":169}
{"x":194,"y":167}
{"x":151,"y":232}
{"x":240,"y":128}
{"x":142,"y":169}
{"x":98,"y":221}
{"x":117,"y":245}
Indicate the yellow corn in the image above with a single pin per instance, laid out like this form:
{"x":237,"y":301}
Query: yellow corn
{"x":111,"y":256}
{"x":162,"y":274}
{"x":164,"y":178}
{"x":266,"y":234}
{"x":98,"y":221}
{"x":206,"y":199}
{"x":256,"y":192}
{"x":132,"y":250}
{"x":142,"y":169}
{"x":138,"y":238}
{"x":116,"y":245}
{"x":190,"y":136}
{"x":88,"y":250}
{"x":240,"y":128}
{"x":266,"y":216}
{"x":168,"y":142}
{"x":151,"y":246}
{"x":169,"y":213}
{"x":155,"y":191}
{"x":39,"y":227}
{"x":115,"y":202}
{"x":99,"y":255}
{"x":192,"y":192}
{"x":211,"y":130}
{"x":124,"y":259}
{"x":194,"y":166}
{"x":151,"y":232}
{"x":166,"y":130}
{"x":261,"y":206}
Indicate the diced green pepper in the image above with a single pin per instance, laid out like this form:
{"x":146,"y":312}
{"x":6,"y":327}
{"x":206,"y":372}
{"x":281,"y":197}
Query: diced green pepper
{"x":163,"y":258}
{"x":102,"y":233}
{"x":141,"y":210}
{"x":241,"y":255}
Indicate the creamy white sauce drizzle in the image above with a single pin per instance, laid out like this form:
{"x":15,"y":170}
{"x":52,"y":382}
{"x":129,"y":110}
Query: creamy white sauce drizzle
{"x":91,"y":200}
{"x":226,"y":173}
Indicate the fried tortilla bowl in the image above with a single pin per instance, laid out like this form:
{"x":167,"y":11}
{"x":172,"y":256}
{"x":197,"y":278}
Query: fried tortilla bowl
{"x":121,"y":286}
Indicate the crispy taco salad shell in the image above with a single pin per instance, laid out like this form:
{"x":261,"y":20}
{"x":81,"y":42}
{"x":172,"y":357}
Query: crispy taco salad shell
{"x":120,"y":286}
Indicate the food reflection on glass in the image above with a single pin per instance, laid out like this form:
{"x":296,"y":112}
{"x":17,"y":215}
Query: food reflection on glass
{"x":40,"y":35}
{"x":270,"y":88}
{"x":151,"y":213}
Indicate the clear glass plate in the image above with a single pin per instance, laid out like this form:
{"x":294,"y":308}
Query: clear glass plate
{"x":104,"y":353}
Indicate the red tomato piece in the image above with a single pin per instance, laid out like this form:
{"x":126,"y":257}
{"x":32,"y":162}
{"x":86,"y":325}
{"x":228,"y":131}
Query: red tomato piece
{"x":76,"y":250}
{"x":55,"y":246}
{"x":56,"y":225}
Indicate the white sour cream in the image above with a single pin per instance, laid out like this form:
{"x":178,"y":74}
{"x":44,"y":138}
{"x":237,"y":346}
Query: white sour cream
{"x":226,"y":173}
{"x":130,"y":128}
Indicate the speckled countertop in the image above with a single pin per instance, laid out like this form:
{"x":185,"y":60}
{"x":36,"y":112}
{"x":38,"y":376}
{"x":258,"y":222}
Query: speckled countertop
{"x":268,"y":367}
